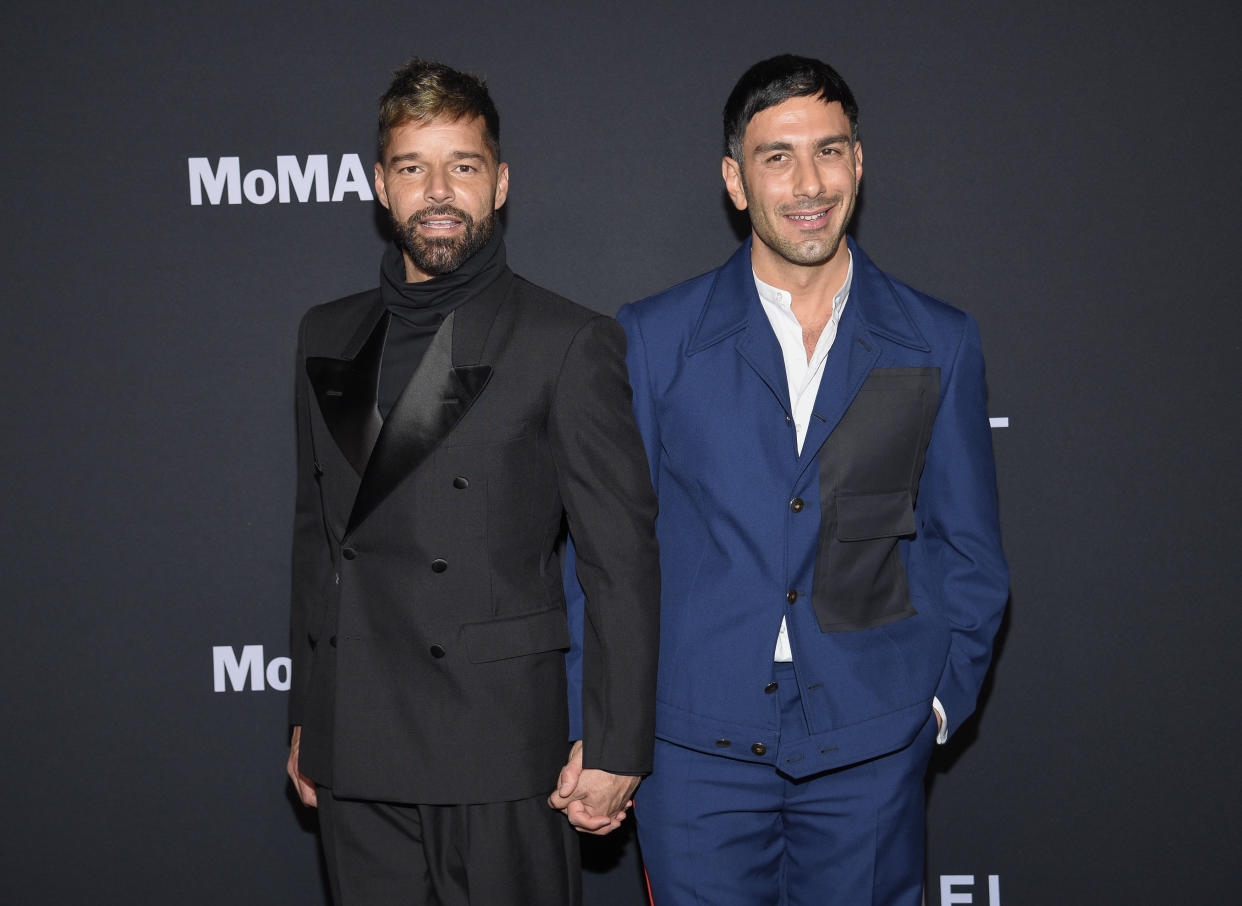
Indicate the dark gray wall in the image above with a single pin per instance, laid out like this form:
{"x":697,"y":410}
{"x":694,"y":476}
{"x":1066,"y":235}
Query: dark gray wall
{"x":1064,"y":171}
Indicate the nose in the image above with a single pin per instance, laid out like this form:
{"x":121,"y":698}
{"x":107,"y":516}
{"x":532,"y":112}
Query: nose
{"x":808,"y":181}
{"x":439,"y":189}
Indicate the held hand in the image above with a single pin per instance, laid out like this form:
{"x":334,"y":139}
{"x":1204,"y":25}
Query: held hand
{"x":594,"y":801}
{"x":303,"y":784}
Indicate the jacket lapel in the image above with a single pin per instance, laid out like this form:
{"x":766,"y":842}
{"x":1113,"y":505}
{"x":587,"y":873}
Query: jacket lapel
{"x":444,"y":387}
{"x":733,"y":307}
{"x":345,"y":388}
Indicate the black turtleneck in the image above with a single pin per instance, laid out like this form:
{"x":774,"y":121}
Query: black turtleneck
{"x":418,"y":309}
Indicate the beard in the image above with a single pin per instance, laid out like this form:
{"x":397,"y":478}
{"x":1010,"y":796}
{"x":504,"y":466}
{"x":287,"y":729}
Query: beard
{"x":442,"y":256}
{"x":808,"y":251}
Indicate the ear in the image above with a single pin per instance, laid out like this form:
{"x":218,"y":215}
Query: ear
{"x":731,"y":170}
{"x":380,"y":191}
{"x":858,"y":161}
{"x":502,"y":186}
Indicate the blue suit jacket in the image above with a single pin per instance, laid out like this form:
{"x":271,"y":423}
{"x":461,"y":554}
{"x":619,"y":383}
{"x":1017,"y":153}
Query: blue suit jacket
{"x":879,"y":544}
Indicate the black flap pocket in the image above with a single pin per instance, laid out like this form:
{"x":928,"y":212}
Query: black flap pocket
{"x":879,"y":515}
{"x":495,"y":640}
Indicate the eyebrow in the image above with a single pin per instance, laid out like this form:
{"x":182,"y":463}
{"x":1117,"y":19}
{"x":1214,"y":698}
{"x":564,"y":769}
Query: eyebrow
{"x":768,"y":147}
{"x":456,"y":155}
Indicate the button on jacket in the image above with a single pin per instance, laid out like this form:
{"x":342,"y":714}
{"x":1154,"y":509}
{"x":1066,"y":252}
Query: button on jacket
{"x":878,"y":542}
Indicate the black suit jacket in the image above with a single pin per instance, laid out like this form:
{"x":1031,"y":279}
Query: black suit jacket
{"x":428,"y":617}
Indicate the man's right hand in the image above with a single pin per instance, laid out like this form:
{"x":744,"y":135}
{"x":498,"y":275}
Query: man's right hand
{"x":594,"y":801}
{"x":303,"y":784}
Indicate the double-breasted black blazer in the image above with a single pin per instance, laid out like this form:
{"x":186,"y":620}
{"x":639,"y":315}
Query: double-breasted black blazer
{"x":428,"y":624}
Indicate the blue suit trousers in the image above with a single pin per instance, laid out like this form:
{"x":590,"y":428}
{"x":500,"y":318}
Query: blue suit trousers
{"x":719,"y":831}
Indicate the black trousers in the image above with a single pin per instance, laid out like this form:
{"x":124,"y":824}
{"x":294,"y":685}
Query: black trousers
{"x":519,"y":853}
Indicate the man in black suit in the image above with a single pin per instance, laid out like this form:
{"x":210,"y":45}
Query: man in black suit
{"x":448,"y":424}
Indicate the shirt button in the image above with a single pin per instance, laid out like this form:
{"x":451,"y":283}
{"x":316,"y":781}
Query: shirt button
{"x":759,"y":749}
{"x":349,"y":553}
{"x":723,"y":743}
{"x":438,"y":565}
{"x":791,"y":595}
{"x":437,"y":651}
{"x":461,"y":483}
{"x":771,"y":687}
{"x":797,"y":504}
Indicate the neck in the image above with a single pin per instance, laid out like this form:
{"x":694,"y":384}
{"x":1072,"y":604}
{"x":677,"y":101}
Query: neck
{"x":811,"y":286}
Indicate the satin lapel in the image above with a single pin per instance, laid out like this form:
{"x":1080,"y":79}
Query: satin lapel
{"x":475,"y":319}
{"x":433,"y":402}
{"x":346,"y":388}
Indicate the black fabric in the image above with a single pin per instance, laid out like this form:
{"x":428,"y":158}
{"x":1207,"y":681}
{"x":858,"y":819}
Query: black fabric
{"x":868,"y":482}
{"x":515,"y":853}
{"x":418,"y":310}
{"x":403,"y":691}
{"x":345,"y":391}
{"x":432,"y":402}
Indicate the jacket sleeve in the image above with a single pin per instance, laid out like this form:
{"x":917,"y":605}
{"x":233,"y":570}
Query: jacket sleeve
{"x":603,"y":478}
{"x":960,"y":529}
{"x":310,"y":547}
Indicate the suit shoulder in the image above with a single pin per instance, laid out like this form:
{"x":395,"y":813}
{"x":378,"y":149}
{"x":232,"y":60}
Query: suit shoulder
{"x":927,"y":307}
{"x":941,"y":324}
{"x":684,"y":300}
{"x":331,"y":317}
{"x":544,"y":308}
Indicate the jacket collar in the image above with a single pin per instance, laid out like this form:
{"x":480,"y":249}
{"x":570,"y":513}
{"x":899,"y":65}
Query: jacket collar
{"x":733,"y":302}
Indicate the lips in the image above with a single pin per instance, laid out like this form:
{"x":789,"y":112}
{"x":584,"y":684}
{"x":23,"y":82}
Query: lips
{"x":439,"y":219}
{"x":809,"y":218}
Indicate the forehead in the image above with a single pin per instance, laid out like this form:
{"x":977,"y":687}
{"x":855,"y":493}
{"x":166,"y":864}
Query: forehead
{"x":438,"y":135}
{"x":797,"y":118}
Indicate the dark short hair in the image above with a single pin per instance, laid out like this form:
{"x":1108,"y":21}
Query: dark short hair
{"x":423,"y":90}
{"x":775,"y":80}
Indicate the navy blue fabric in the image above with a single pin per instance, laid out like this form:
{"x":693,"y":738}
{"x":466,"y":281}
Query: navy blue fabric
{"x":727,"y":832}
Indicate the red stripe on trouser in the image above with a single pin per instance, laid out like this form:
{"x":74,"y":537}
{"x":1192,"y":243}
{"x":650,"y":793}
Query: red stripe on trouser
{"x":646,"y":877}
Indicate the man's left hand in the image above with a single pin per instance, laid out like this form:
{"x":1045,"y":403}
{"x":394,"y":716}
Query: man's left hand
{"x":594,"y":801}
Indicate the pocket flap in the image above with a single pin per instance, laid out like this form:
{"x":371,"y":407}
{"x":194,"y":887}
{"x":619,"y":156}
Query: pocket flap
{"x":882,"y":515}
{"x":495,"y":640}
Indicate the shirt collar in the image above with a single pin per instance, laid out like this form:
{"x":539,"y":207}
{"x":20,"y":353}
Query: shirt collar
{"x":780,"y":297}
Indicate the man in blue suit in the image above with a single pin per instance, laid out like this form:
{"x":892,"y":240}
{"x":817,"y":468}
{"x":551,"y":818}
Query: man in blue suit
{"x":832,"y":574}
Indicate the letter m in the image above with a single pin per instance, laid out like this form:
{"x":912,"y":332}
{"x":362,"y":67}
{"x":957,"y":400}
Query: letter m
{"x":291,"y":174}
{"x":226,"y":663}
{"x":226,"y":175}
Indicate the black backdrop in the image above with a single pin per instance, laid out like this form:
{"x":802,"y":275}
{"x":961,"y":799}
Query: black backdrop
{"x":1064,"y":171}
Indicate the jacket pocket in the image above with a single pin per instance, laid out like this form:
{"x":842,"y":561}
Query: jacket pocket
{"x":886,"y":514}
{"x":532,"y":633}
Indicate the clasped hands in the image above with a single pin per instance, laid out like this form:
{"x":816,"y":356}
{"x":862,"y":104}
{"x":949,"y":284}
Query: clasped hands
{"x":594,"y":801}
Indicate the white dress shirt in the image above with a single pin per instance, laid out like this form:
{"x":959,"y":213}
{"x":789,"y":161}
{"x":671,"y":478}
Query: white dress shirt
{"x":804,"y":377}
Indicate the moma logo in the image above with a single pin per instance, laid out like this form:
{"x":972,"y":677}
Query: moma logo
{"x":292,"y":180}
{"x":248,"y":670}
{"x":958,"y":890}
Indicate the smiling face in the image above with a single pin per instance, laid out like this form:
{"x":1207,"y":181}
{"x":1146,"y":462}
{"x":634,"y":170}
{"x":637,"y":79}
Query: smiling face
{"x":442,"y":187}
{"x":798,"y":181}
